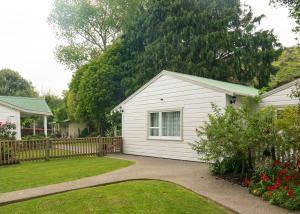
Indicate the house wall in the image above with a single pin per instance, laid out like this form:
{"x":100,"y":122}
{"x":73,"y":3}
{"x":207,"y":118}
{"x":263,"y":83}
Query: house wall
{"x":8,"y":114}
{"x":75,"y":129}
{"x":195,"y":102}
{"x":279,"y":99}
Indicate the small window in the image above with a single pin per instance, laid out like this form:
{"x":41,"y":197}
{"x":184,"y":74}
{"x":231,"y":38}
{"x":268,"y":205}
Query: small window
{"x":165,"y":125}
{"x":154,"y":124}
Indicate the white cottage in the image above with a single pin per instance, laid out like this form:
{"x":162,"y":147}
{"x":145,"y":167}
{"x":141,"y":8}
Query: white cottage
{"x":13,"y":108}
{"x":280,"y":97}
{"x":161,"y":118}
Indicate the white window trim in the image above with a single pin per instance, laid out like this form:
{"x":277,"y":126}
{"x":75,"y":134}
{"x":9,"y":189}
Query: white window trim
{"x":160,"y":137}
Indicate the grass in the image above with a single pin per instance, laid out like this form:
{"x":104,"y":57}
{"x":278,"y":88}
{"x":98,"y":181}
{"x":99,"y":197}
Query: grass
{"x":143,"y":197}
{"x":35,"y":174}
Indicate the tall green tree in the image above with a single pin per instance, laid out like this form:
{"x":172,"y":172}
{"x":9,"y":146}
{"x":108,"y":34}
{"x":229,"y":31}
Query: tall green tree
{"x":210,"y":38}
{"x":13,"y":84}
{"x":95,"y":89}
{"x":86,"y":27}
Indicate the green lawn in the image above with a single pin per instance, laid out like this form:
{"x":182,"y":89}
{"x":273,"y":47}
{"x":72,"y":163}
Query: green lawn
{"x":129,"y":197}
{"x":34,"y":174}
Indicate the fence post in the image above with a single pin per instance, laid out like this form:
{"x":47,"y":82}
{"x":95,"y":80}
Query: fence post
{"x":47,"y":150}
{"x":100,"y":147}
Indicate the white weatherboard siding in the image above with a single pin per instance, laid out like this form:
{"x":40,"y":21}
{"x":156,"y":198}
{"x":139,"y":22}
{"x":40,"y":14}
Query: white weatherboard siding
{"x":195,"y":102}
{"x":279,"y":99}
{"x":10,"y":115}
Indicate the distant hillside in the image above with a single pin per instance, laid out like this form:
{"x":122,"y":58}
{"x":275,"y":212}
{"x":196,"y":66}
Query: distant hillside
{"x":288,"y":67}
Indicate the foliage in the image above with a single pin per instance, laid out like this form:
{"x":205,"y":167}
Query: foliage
{"x":279,"y":184}
{"x":12,"y":84}
{"x":229,"y":165}
{"x":87,"y":27}
{"x":57,"y":106}
{"x":95,"y":89}
{"x":143,"y":196}
{"x":288,"y":67}
{"x":7,"y":131}
{"x":214,"y":39}
{"x":236,"y":132}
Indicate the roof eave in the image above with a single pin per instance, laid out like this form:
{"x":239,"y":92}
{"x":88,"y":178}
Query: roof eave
{"x":25,"y":110}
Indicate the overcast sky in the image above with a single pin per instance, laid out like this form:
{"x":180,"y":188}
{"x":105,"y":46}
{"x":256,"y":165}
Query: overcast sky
{"x":27,"y":42}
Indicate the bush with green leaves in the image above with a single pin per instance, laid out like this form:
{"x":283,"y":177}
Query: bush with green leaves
{"x":7,"y":132}
{"x":236,"y":132}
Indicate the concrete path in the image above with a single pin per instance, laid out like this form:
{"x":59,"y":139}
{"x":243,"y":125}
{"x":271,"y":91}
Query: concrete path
{"x":192,"y":175}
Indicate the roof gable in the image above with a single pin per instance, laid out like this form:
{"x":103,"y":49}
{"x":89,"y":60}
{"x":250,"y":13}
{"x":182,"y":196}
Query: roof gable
{"x":281,"y":88}
{"x":27,"y":104}
{"x":225,"y":87}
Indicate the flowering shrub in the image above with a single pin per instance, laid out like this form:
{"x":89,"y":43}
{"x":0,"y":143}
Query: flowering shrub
{"x":279,"y":184}
{"x":7,"y":132}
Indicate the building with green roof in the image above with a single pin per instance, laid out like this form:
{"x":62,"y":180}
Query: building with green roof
{"x":161,"y":118}
{"x":13,"y":108}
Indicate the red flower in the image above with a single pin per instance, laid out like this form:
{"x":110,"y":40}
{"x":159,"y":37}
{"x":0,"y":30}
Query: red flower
{"x":281,"y":172}
{"x":286,"y":187}
{"x":294,"y":176}
{"x":286,"y":164}
{"x":276,"y":163}
{"x":264,"y":177}
{"x":270,"y":188}
{"x":287,"y":178}
{"x":298,"y":162}
{"x":290,"y":193}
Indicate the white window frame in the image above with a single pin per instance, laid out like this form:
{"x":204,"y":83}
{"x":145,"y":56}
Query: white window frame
{"x":160,"y":137}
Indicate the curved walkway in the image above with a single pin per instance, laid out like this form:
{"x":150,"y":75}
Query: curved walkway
{"x":192,"y":175}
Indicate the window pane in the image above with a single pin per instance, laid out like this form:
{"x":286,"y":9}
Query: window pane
{"x":154,"y":119}
{"x":154,"y":132}
{"x":171,"y":123}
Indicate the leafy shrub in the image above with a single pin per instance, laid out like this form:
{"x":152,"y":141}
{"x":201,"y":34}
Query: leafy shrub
{"x":236,"y":132}
{"x":230,"y":165}
{"x":293,"y":203}
{"x":7,"y":131}
{"x":84,"y":133}
{"x":279,"y":197}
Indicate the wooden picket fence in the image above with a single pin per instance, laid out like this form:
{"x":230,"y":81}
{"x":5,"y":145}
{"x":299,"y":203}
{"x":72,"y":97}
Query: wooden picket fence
{"x":12,"y":152}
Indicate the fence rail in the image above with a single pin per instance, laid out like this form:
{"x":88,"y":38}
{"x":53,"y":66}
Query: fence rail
{"x":12,"y":152}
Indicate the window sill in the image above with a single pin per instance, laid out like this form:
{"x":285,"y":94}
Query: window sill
{"x":165,"y":138}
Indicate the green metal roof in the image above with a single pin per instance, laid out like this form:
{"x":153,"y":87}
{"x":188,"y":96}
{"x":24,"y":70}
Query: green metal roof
{"x":226,"y":86}
{"x":27,"y":104}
